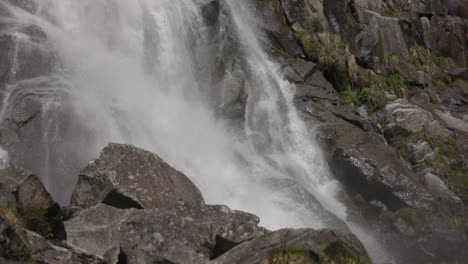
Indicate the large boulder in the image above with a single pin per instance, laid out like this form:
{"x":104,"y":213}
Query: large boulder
{"x":128,"y":177}
{"x":182,"y":234}
{"x":298,"y":246}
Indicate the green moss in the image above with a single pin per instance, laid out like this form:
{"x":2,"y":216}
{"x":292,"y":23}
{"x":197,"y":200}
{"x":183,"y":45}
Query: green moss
{"x":392,"y":12}
{"x":288,"y":256}
{"x":445,"y":163}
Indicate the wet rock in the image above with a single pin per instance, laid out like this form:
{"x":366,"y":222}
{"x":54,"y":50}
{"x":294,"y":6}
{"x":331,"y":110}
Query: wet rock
{"x":423,"y":237}
{"x":210,"y":11}
{"x":448,"y":38}
{"x":233,"y":95}
{"x":28,"y":5}
{"x":182,"y":234}
{"x":309,"y":13}
{"x":304,"y":68}
{"x":298,"y":246}
{"x":128,"y":177}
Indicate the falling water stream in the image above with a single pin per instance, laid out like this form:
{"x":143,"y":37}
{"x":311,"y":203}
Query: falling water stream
{"x":154,"y":73}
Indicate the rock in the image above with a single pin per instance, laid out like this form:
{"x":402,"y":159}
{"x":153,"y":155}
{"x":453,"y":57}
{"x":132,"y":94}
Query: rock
{"x":18,"y":244}
{"x":460,"y":73}
{"x":304,"y":68}
{"x":43,"y":251}
{"x":280,"y":39}
{"x":453,"y":122}
{"x":28,"y":5}
{"x":420,"y":78}
{"x":405,"y":117}
{"x":182,"y":234}
{"x":421,"y":153}
{"x":128,"y":177}
{"x":423,"y":237}
{"x":13,"y":242}
{"x":32,"y":202}
{"x":309,"y":13}
{"x":436,"y":186}
{"x":298,"y":246}
{"x":291,"y":75}
{"x":233,"y":95}
{"x":448,"y":38}
{"x":210,"y":11}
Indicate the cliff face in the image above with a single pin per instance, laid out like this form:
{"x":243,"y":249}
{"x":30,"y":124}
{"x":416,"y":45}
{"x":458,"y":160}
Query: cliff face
{"x":384,"y":82}
{"x":387,"y":82}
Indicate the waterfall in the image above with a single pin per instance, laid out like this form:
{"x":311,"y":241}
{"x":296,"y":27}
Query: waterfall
{"x":159,"y":74}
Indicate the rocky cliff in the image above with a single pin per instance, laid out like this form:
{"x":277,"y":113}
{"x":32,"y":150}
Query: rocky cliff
{"x":387,"y":82}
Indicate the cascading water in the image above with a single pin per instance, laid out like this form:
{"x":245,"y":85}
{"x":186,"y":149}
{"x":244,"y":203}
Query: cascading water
{"x":155,"y":73}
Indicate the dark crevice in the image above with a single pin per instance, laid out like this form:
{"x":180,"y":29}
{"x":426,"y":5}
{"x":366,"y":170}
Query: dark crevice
{"x":122,"y":258}
{"x":221,"y":246}
{"x":116,"y":199}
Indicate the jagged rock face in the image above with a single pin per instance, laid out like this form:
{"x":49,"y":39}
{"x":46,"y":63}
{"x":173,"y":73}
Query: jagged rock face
{"x":129,"y":177}
{"x":298,"y":246}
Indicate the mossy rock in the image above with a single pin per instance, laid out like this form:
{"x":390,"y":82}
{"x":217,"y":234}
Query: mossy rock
{"x":13,"y":238}
{"x":289,"y":256}
{"x":336,"y":253}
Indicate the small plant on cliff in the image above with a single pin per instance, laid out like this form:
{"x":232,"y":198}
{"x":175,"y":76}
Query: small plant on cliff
{"x":13,"y":238}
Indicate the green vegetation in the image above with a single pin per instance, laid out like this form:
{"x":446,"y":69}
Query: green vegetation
{"x":13,"y":245}
{"x":287,"y":256}
{"x":392,"y":12}
{"x":334,"y":254}
{"x":445,"y":163}
{"x":10,"y":215}
{"x":35,"y":217}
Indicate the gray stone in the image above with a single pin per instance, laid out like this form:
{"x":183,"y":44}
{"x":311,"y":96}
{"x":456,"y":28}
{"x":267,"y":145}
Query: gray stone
{"x":421,"y":78}
{"x":42,"y":251}
{"x":303,"y":67}
{"x":279,"y":246}
{"x":182,"y":234}
{"x":128,"y":177}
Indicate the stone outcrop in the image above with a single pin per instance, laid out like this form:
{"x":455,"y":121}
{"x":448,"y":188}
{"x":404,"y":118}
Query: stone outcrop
{"x":128,"y":177}
{"x":297,"y":246}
